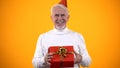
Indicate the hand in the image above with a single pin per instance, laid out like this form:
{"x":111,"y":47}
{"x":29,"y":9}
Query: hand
{"x":78,"y":58}
{"x":48,"y":58}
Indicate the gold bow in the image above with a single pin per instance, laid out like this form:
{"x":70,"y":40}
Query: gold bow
{"x":63,"y":52}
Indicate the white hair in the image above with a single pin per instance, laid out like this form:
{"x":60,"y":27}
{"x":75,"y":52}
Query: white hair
{"x":59,"y":5}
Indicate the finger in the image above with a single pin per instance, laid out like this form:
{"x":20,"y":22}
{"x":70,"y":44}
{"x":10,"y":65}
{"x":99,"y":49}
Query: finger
{"x":50,"y":54}
{"x":75,"y":53}
{"x":48,"y":60}
{"x":49,"y":57}
{"x":48,"y":63}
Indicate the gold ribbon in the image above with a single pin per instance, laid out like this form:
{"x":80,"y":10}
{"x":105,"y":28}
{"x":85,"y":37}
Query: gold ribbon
{"x":63,"y":52}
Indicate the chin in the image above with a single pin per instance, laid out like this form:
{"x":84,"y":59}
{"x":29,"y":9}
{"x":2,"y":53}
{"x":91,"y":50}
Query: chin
{"x":60,"y":28}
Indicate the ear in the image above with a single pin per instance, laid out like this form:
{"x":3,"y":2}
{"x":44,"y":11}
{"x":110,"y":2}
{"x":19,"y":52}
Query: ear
{"x":68,"y":16}
{"x":51,"y":18}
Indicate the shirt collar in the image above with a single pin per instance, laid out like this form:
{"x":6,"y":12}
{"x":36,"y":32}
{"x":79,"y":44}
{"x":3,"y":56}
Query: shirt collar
{"x":64,"y":31}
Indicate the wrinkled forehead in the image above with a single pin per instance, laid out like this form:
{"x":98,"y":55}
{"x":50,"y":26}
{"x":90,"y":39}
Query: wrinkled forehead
{"x":59,"y":9}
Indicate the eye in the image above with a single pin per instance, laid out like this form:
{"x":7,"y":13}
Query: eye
{"x":62,"y":14}
{"x":56,"y":15}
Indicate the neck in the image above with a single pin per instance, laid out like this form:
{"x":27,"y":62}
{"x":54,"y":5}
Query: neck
{"x":60,"y":29}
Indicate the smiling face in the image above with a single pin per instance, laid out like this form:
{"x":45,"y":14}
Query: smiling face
{"x":59,"y":17}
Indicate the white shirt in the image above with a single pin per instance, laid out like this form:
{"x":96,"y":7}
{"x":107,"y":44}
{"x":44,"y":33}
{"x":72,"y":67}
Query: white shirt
{"x":60,"y":38}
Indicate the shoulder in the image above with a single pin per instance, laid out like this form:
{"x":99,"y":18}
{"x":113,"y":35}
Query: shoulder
{"x":45,"y":34}
{"x":40,"y":36}
{"x":76,"y":33}
{"x":78,"y":36}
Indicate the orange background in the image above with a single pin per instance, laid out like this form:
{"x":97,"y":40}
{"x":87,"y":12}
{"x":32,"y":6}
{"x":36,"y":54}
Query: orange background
{"x":21,"y":22}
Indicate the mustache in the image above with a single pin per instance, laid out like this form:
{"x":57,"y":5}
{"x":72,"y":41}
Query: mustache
{"x":60,"y":21}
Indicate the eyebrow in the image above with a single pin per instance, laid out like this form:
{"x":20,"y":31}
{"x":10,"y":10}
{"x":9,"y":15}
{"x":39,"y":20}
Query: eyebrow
{"x":59,"y":14}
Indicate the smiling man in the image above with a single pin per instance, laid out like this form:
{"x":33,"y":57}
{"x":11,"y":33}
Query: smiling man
{"x":60,"y":16}
{"x":60,"y":35}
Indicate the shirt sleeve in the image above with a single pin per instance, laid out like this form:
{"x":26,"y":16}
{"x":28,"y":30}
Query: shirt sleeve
{"x":86,"y":60}
{"x":38,"y":59}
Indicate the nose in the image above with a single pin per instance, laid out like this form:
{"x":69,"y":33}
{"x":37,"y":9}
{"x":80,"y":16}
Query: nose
{"x":59,"y":17}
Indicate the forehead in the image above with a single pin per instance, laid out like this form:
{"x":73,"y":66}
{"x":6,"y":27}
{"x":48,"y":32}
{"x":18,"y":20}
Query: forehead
{"x":59,"y":10}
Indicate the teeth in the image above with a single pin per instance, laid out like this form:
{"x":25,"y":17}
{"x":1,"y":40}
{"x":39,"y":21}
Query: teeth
{"x":60,"y":21}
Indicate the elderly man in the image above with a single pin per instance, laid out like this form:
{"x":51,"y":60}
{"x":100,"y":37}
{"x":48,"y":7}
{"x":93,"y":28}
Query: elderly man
{"x":60,"y":35}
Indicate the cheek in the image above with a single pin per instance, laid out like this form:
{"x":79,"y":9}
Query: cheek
{"x":54,"y":19}
{"x":65,"y":19}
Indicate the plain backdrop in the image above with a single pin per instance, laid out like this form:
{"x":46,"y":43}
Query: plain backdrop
{"x":22,"y":21}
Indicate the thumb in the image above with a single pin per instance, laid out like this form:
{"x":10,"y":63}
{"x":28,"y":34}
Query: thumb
{"x":75,"y":53}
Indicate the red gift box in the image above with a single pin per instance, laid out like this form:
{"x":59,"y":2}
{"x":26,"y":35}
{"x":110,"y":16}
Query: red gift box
{"x":64,"y":59}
